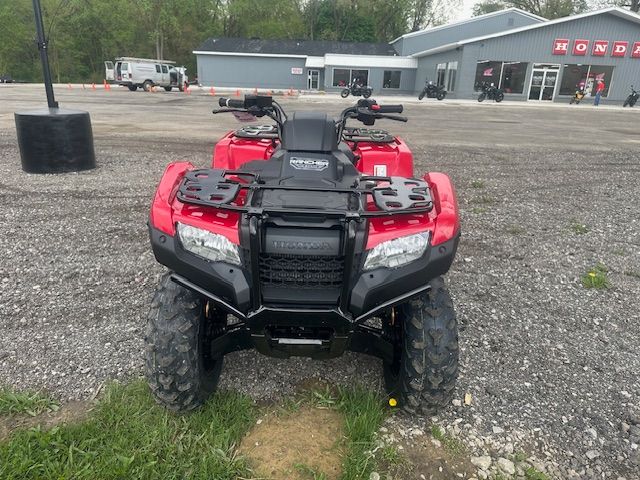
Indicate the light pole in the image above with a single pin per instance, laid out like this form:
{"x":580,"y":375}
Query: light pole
{"x":44,"y":57}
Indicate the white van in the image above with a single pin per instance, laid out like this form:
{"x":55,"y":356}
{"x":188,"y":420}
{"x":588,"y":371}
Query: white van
{"x":146,"y":73}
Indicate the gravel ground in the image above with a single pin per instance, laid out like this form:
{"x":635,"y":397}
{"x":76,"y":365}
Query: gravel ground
{"x":552,"y":367}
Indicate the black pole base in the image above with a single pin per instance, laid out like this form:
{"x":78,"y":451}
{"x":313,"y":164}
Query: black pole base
{"x":55,"y":140}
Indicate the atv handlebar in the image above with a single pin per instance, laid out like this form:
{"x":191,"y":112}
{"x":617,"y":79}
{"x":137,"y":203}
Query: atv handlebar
{"x":388,"y":109}
{"x":230,"y":103}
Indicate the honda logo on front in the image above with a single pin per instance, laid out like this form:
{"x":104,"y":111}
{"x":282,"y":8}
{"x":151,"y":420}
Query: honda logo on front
{"x":600,"y":48}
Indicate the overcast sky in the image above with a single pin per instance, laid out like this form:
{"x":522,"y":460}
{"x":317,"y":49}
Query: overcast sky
{"x":464,"y":11}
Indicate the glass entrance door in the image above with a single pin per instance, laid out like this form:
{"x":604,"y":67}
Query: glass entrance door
{"x":313,"y":79}
{"x":543,"y":84}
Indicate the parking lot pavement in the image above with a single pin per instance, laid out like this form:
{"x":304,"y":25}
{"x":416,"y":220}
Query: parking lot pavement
{"x":545,"y":195}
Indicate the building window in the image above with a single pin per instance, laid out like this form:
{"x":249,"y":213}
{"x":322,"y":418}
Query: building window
{"x":441,"y":70}
{"x":585,"y":76}
{"x":513,"y":77}
{"x":509,"y":76}
{"x":452,"y":71}
{"x":487,"y":72}
{"x":343,"y":77}
{"x":391,"y":79}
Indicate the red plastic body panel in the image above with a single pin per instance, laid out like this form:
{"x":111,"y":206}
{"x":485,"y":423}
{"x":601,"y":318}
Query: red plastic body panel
{"x":443,"y":221}
{"x":447,"y":216}
{"x":395,"y":157}
{"x":231,"y":152}
{"x":166,"y":209}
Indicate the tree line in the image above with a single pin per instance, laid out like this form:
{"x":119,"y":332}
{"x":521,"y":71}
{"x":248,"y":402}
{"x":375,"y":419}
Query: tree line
{"x":85,"y":33}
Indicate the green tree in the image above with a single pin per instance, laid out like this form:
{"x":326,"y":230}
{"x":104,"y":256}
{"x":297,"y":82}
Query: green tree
{"x":549,"y":9}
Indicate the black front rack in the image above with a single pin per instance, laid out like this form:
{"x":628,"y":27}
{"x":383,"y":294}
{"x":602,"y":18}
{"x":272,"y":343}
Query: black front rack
{"x":220,"y":189}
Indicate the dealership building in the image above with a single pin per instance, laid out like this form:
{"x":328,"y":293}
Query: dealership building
{"x":529,"y":57}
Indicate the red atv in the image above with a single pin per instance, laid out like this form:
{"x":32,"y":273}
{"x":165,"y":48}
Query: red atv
{"x":304,"y":238}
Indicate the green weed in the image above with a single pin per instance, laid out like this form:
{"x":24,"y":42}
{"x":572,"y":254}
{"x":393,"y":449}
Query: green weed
{"x":596,"y":277}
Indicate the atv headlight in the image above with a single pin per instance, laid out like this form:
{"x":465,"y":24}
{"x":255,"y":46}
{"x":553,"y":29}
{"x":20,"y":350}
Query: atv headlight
{"x":211,"y":246}
{"x":397,"y":252}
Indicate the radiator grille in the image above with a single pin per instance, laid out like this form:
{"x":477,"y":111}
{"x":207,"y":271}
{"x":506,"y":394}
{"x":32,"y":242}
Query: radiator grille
{"x":301,"y":271}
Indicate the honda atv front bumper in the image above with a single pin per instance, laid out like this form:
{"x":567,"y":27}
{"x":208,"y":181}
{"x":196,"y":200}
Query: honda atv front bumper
{"x":322,"y":331}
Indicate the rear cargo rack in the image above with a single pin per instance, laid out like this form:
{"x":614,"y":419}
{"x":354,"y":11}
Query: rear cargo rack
{"x":221,"y":188}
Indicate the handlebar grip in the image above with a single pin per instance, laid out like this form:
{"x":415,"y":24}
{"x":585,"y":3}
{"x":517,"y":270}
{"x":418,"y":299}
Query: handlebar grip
{"x":390,"y":109}
{"x":230,"y":103}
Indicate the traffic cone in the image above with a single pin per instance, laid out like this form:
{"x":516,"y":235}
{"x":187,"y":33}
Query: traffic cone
{"x":212,"y":91}
{"x":238,"y":92}
{"x":93,"y":86}
{"x":70,"y":87}
{"x":255,"y":91}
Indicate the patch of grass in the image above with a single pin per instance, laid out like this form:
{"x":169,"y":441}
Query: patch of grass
{"x":453,"y":445}
{"x":515,"y":230}
{"x":391,"y":455}
{"x":479,"y":210}
{"x":477,"y":184}
{"x":128,"y":436}
{"x":596,"y":277}
{"x":485,"y":200}
{"x":519,"y":457}
{"x":632,"y":273}
{"x":532,"y":473}
{"x":310,"y":472}
{"x":363,"y":414}
{"x":619,"y":251}
{"x":579,"y":228}
{"x":17,"y":403}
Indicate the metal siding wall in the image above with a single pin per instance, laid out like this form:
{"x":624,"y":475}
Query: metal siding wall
{"x":251,"y":72}
{"x":376,"y":77}
{"x":537,"y":45}
{"x":499,"y":23}
{"x":427,"y":70}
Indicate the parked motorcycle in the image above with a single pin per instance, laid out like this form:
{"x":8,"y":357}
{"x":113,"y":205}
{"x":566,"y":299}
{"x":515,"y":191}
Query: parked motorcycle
{"x":490,"y":91}
{"x":356,"y":90}
{"x":632,"y":98}
{"x":577,"y":96}
{"x":431,"y":90}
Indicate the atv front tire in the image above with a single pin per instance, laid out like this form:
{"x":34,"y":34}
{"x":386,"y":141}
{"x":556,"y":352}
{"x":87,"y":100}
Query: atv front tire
{"x":345,"y":93}
{"x":425,"y":367}
{"x":481,"y":97}
{"x":180,"y":369}
{"x":133,"y":88}
{"x":422,"y":94}
{"x":441,"y":95}
{"x":367,"y":93}
{"x":499,"y":97}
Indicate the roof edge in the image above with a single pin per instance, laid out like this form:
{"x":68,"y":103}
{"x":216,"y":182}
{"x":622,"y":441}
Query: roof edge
{"x":617,"y":10}
{"x":469,"y":20}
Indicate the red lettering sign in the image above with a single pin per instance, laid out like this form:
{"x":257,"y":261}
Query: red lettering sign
{"x":560,"y":46}
{"x":619,"y":49}
{"x":600,"y":48}
{"x":580,"y":47}
{"x":635,"y":53}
